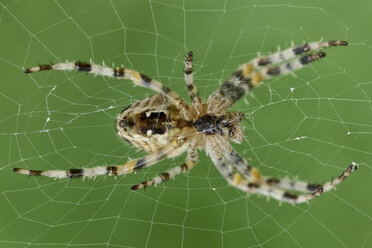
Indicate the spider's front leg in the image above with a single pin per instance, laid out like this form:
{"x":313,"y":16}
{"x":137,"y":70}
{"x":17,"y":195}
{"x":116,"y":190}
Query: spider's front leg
{"x":273,"y":187}
{"x":192,"y":159}
{"x":306,"y":187}
{"x":251,"y":74}
{"x":253,"y":182}
{"x":290,"y":53}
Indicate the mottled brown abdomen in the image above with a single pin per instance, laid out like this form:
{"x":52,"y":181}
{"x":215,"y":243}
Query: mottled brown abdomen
{"x":144,"y":124}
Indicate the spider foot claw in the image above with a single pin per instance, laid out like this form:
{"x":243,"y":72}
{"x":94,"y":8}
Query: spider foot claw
{"x":142,"y":185}
{"x":354,"y":166}
{"x":135,"y":187}
{"x":337,"y":43}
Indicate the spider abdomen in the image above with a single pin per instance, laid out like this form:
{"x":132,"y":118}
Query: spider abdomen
{"x":143,"y":124}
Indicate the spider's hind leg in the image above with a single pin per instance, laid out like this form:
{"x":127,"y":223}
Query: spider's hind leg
{"x":122,"y":73}
{"x":115,"y":170}
{"x":192,"y":159}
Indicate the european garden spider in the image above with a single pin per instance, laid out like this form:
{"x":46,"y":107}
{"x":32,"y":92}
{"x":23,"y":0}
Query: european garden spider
{"x":165,"y":126}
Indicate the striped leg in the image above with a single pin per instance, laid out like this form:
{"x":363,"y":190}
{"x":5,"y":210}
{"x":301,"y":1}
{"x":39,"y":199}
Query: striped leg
{"x":242,"y":82}
{"x":136,"y":77}
{"x":225,"y":168}
{"x":272,"y":187}
{"x":276,"y":193}
{"x":235,"y":179}
{"x":291,"y":53}
{"x":285,"y":68}
{"x":129,"y":167}
{"x":192,"y":159}
{"x":292,"y":185}
{"x":252,"y":175}
{"x":255,"y":78}
{"x":193,"y":92}
{"x":300,"y":186}
{"x":248,"y":171}
{"x":245,"y":79}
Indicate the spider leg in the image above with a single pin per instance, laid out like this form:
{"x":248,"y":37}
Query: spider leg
{"x":292,"y":185}
{"x":276,"y":190}
{"x":252,"y":174}
{"x":129,"y":167}
{"x":300,"y":186}
{"x":239,"y":163}
{"x":245,"y":78}
{"x":192,"y":159}
{"x":191,"y":88}
{"x":285,"y":68}
{"x":235,"y":179}
{"x":291,"y":53}
{"x":272,"y":187}
{"x":225,"y":168}
{"x":122,"y":73}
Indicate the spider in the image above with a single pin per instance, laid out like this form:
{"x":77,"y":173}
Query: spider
{"x":165,"y":126}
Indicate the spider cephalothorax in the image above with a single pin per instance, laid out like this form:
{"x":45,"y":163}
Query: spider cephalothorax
{"x":166,"y":126}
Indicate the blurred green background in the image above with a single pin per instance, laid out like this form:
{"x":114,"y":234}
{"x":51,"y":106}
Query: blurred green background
{"x":312,"y":124}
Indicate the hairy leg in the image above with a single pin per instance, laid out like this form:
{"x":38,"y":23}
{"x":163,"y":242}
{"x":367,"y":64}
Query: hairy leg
{"x":191,"y":160}
{"x":246,"y":78}
{"x":129,"y":167}
{"x":189,"y":79}
{"x":254,"y":183}
{"x":122,"y":73}
{"x":290,"y":53}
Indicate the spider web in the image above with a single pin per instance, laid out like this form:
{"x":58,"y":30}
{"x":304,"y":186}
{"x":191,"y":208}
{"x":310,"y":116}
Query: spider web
{"x":311,"y":125}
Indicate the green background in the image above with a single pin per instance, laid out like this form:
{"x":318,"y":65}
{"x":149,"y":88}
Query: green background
{"x":66,"y":120}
